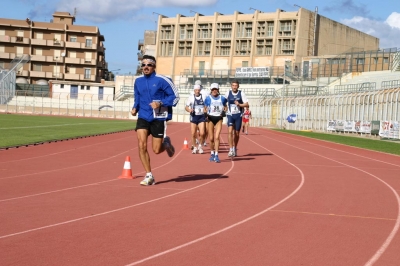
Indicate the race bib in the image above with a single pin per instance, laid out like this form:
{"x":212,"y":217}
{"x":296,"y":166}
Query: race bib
{"x":161,"y":112}
{"x":199,"y":110}
{"x":234,"y":109}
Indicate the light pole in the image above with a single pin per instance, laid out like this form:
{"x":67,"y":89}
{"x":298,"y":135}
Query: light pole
{"x":286,"y":66}
{"x":56,"y":67}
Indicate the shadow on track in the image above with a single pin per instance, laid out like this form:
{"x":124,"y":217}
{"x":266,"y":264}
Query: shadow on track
{"x":193,"y":177}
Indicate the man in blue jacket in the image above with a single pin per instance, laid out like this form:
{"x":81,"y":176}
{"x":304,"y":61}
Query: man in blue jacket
{"x":154,"y":97}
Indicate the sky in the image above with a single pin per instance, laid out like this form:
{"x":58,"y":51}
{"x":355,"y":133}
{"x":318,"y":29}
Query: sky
{"x":123,"y":22}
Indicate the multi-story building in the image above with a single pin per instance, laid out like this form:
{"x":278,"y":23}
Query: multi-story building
{"x":58,"y":50}
{"x":217,"y":45}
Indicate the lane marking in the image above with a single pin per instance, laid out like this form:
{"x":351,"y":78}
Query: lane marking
{"x":396,"y":227}
{"x":336,"y":215}
{"x":233,"y":225}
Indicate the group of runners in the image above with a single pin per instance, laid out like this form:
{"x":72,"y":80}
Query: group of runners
{"x":207,"y":111}
{"x":154,"y":97}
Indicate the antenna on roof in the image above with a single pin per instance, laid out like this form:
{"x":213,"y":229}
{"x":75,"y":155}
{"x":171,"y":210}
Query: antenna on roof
{"x":75,"y":11}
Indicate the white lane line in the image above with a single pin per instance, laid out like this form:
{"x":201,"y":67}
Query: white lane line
{"x":233,"y":225}
{"x":396,"y":227}
{"x":115,"y":210}
{"x":65,"y":151}
{"x":60,"y":125}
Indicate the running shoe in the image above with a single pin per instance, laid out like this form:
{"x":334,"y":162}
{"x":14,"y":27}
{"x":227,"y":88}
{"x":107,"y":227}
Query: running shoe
{"x":168,"y":146}
{"x":212,"y":157}
{"x":216,"y":159}
{"x":200,"y":150}
{"x":235,"y":152}
{"x":148,"y":181}
{"x":197,"y":141}
{"x":194,"y":150}
{"x":231,"y":153}
{"x":205,"y":143}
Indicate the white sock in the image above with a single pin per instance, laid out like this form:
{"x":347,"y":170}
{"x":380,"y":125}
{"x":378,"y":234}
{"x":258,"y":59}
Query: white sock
{"x":149,"y":174}
{"x":216,"y":153}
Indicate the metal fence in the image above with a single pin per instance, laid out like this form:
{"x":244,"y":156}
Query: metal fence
{"x":7,"y":86}
{"x":313,"y":112}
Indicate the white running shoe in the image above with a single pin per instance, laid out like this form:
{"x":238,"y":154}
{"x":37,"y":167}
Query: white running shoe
{"x":194,"y":150}
{"x":205,"y":143}
{"x":197,"y":141}
{"x":231,"y":153}
{"x":200,"y":150}
{"x":148,"y":181}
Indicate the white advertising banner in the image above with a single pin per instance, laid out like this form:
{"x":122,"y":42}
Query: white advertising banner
{"x":252,"y":72}
{"x":389,"y":129}
{"x":331,"y":125}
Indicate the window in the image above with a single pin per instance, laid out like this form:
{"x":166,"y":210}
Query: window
{"x":2,"y":32}
{"x":2,"y":65}
{"x":37,"y":67}
{"x":88,"y":43}
{"x":1,"y":48}
{"x":72,"y":38}
{"x":82,"y":87}
{"x":386,"y":60}
{"x":225,"y":50}
{"x":57,"y":38}
{"x":87,"y":73}
{"x":62,"y":86}
{"x":88,"y":57}
{"x":38,"y":51}
{"x":72,"y":54}
{"x":20,"y":51}
{"x":88,"y":88}
{"x":359,"y":61}
{"x":20,"y":33}
{"x":39,"y":35}
{"x":245,"y":63}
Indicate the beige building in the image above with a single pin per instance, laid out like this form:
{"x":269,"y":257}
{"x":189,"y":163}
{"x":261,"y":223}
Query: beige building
{"x":217,"y":45}
{"x":57,"y":49}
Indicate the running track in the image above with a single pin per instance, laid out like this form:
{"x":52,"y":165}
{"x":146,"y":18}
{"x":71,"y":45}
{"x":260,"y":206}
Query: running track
{"x":285,"y":200}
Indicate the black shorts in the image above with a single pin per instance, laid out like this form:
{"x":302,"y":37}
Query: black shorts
{"x":214,"y":119}
{"x":155,"y":127}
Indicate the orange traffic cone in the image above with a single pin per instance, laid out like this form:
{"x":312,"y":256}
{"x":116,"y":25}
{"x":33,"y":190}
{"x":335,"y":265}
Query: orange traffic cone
{"x":185,"y":145}
{"x":127,"y":170}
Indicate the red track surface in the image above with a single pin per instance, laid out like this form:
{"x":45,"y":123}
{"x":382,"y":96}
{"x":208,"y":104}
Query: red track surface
{"x":285,"y":200}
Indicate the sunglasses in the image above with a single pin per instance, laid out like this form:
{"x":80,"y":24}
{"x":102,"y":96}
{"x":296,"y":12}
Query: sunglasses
{"x":149,"y":65}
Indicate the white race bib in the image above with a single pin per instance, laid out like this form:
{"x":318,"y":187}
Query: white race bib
{"x":234,"y":109}
{"x":161,"y":112}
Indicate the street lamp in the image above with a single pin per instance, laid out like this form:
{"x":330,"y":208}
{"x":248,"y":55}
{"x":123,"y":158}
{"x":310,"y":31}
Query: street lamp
{"x":62,"y":55}
{"x":285,"y":68}
{"x":56,"y":67}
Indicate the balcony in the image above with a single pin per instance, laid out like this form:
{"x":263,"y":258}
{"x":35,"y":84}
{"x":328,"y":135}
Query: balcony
{"x":69,"y":60}
{"x":19,"y":39}
{"x":101,"y":49}
{"x":38,"y":58}
{"x":84,"y":46}
{"x":55,"y":43}
{"x":100,"y":64}
{"x":38,"y":42}
{"x":7,"y":55}
{"x":87,"y":78}
{"x":38,"y":74}
{"x":22,"y":73}
{"x":5,"y":38}
{"x":71,"y":76}
{"x":88,"y":61}
{"x":53,"y":75}
{"x":73,"y":44}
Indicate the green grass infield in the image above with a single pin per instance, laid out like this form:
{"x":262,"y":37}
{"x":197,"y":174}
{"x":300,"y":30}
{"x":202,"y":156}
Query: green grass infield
{"x":392,"y":147}
{"x":19,"y":130}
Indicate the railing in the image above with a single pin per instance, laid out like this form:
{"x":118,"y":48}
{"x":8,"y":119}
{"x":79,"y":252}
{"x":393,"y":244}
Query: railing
{"x":396,"y":61}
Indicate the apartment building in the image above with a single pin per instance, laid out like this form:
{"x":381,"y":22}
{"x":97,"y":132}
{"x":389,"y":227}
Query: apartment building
{"x":217,"y":45}
{"x":58,"y":50}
